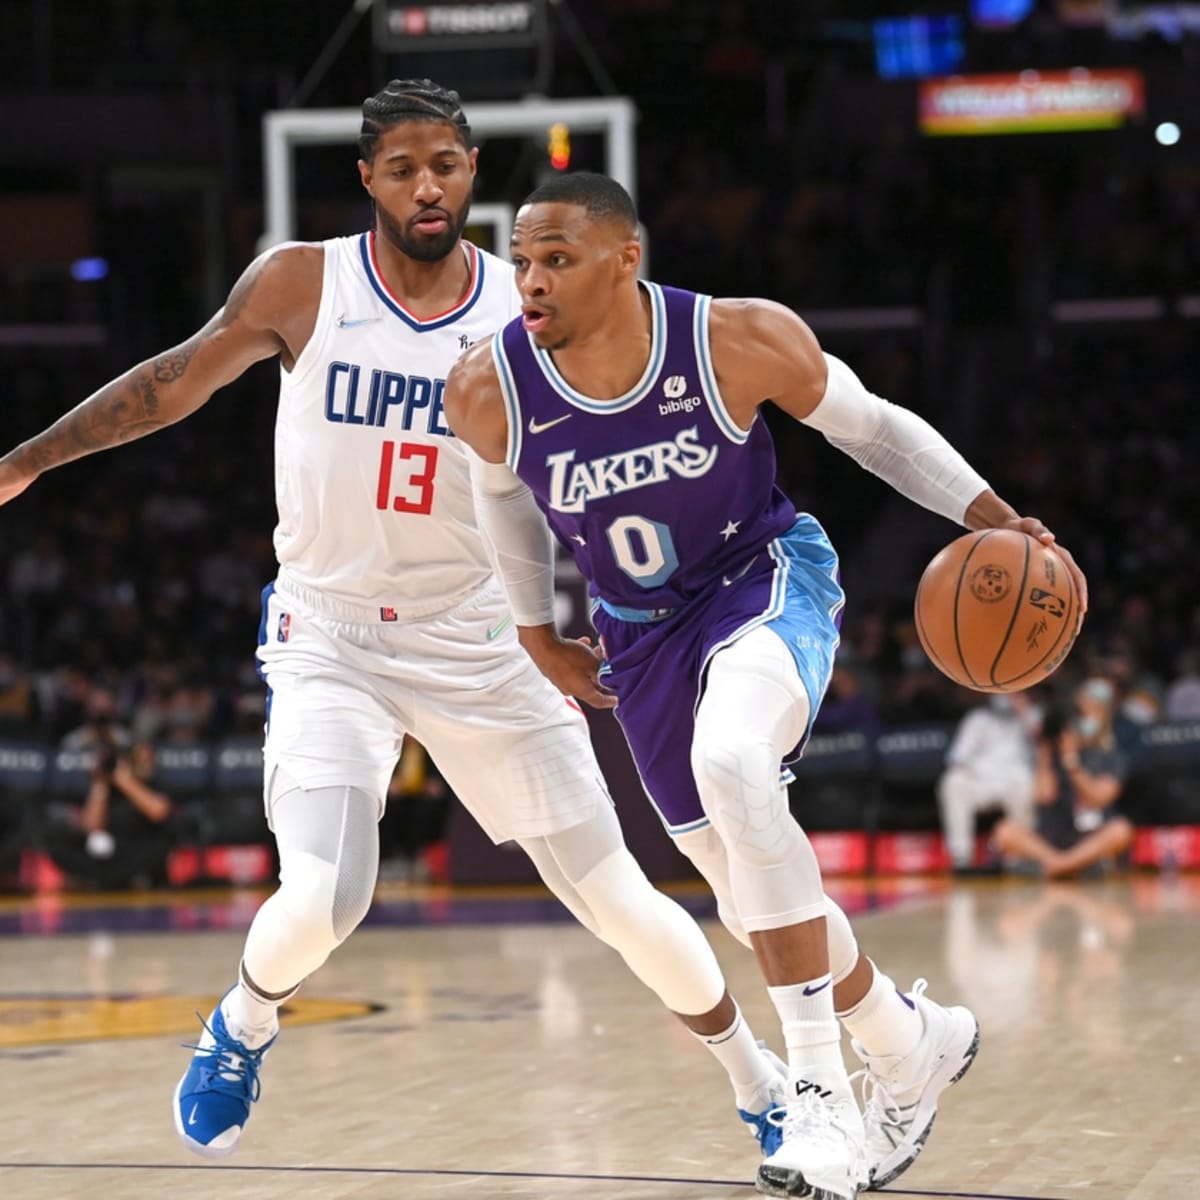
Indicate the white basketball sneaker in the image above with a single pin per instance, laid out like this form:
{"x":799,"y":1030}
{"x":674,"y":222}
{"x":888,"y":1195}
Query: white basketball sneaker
{"x":822,"y":1154}
{"x":768,"y":1131}
{"x":901,"y":1094}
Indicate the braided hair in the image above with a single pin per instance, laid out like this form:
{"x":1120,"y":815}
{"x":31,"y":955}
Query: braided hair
{"x":409,"y":100}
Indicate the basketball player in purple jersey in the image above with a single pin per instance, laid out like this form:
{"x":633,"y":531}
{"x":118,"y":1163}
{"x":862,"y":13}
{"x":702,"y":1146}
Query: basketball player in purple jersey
{"x":627,"y":413}
{"x":385,"y":617}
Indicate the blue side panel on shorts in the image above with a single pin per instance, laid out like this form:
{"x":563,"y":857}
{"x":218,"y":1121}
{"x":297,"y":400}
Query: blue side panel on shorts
{"x":267,"y":593}
{"x":657,"y":669}
{"x":810,"y":616}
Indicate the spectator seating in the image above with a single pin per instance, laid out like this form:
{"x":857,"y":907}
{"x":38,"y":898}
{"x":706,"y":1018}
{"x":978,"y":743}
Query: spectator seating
{"x":835,"y":779}
{"x":23,"y":773}
{"x":879,"y":791}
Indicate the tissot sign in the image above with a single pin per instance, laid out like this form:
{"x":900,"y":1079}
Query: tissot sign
{"x":459,"y":24}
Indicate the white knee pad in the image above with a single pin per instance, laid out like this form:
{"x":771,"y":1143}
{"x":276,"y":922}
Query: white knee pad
{"x":707,"y":854}
{"x":843,"y":945}
{"x":739,"y":787}
{"x":753,"y":711}
{"x":774,"y":876}
{"x":329,"y":859}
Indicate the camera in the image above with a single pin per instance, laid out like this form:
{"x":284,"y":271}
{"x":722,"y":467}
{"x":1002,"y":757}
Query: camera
{"x":108,"y":753}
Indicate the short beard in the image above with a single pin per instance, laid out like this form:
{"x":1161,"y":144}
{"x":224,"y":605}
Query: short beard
{"x":423,"y":247}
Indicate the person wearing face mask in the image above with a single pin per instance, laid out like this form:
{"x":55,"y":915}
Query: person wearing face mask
{"x":989,"y":765}
{"x":1079,"y":776}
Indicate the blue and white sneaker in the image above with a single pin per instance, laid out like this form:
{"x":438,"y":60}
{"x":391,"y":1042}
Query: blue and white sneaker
{"x":768,"y":1133}
{"x":213,"y":1099}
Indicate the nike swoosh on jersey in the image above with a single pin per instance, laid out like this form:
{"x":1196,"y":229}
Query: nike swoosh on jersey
{"x":344,"y":322}
{"x":535,"y":427}
{"x":730,"y":582}
{"x":496,"y":630}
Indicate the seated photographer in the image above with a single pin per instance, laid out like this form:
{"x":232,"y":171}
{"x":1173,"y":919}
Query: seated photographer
{"x":1079,"y":775}
{"x":119,"y":837}
{"x":989,"y":765}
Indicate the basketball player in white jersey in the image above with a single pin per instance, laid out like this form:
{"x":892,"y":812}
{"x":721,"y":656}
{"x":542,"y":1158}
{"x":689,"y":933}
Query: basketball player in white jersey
{"x":385,"y":618}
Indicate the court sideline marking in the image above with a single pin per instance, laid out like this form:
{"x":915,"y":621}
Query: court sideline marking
{"x":574,"y":1177}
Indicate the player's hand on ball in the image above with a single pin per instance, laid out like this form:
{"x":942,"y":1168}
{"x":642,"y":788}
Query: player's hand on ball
{"x":1035,"y":528}
{"x":997,"y":610}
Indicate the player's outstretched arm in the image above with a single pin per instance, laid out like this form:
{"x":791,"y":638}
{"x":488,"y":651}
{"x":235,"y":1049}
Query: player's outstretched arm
{"x":764,"y":351}
{"x":255,"y":322}
{"x":514,"y":529}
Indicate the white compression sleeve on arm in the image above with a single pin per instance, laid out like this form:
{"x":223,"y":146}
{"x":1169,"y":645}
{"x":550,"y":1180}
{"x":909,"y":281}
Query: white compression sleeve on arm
{"x":520,"y":540}
{"x":900,"y":447}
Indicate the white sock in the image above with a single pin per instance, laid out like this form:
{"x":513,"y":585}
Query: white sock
{"x":814,"y":1039}
{"x":251,"y":1017}
{"x":748,"y":1069}
{"x":884,"y":1022}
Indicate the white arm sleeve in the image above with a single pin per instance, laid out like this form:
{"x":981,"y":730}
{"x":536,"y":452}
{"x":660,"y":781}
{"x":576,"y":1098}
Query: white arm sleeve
{"x":518,"y":540}
{"x":900,"y":447}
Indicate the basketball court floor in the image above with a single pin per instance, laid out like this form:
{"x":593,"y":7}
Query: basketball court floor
{"x":480,"y":1045}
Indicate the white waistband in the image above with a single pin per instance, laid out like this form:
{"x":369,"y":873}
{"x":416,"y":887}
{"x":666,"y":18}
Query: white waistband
{"x":355,"y":613}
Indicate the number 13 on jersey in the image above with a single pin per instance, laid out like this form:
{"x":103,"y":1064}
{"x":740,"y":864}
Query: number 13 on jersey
{"x":406,"y":477}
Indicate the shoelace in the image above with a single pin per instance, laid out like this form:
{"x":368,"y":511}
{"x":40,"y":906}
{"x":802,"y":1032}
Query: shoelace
{"x":236,"y":1067}
{"x":879,"y":1107}
{"x":808,"y":1117}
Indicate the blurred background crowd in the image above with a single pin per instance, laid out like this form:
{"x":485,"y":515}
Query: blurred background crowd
{"x":1035,"y":296}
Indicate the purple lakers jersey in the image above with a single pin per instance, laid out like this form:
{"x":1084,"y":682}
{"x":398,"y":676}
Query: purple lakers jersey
{"x":658,"y":493}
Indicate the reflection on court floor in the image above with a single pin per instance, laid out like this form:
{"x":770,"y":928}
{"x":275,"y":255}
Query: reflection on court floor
{"x":479,"y":1043}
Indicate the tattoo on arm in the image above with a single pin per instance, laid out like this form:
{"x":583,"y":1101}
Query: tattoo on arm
{"x":171,"y":366}
{"x":149,"y":396}
{"x":128,"y":408}
{"x":156,"y":392}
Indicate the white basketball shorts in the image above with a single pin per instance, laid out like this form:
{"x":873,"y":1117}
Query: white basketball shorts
{"x":346,"y":684}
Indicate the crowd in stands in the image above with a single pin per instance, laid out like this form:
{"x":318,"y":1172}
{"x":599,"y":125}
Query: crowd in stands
{"x":1095,"y":440}
{"x":139,"y":572}
{"x":146,"y":584}
{"x":138,"y":576}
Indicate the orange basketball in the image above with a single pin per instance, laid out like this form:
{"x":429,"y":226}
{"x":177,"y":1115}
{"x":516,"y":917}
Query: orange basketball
{"x":997,"y":610}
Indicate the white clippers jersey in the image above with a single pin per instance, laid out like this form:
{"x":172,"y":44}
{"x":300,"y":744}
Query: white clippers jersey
{"x":372,"y":488}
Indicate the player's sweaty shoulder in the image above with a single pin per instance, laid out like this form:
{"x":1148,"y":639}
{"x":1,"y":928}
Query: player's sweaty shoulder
{"x":752,"y":322}
{"x":473,"y":402}
{"x":474,"y":377}
{"x":287,"y":280}
{"x":760,"y":349}
{"x":280,"y":291}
